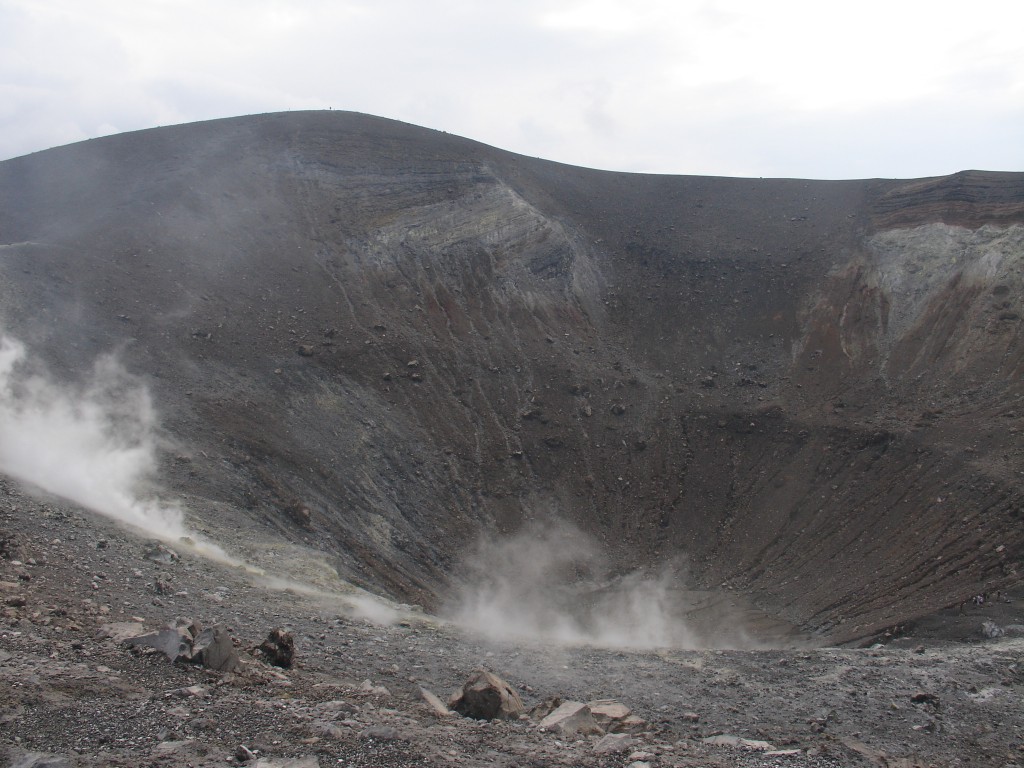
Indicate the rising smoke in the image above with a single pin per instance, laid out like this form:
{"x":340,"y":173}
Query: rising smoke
{"x":94,"y":444}
{"x":549,"y":583}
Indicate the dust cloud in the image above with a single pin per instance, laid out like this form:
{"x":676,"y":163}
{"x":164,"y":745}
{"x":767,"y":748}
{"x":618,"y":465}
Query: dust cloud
{"x":93,"y":444}
{"x":550,"y":584}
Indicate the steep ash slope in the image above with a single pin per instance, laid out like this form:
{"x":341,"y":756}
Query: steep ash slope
{"x":379,"y":340}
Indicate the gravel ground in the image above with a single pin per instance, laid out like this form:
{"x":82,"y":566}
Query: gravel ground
{"x":73,"y":584}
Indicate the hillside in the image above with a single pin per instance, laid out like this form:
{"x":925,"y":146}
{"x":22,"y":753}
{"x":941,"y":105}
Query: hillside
{"x":381,"y":342}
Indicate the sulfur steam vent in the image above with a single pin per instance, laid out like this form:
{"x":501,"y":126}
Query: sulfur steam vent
{"x":389,"y":344}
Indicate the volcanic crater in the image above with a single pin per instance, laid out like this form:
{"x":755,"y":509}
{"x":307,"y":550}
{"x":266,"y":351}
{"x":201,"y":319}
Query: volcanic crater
{"x":381,"y":344}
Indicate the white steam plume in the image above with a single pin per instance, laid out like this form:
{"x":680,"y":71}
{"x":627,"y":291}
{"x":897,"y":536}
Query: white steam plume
{"x":548,"y":583}
{"x":94,"y":446}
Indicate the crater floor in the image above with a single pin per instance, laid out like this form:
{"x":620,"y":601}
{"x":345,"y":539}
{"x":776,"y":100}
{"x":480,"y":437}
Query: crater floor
{"x":945,"y":696}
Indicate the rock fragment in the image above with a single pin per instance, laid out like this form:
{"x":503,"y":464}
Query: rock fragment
{"x":10,"y":546}
{"x":243,"y":754}
{"x":381,"y":733}
{"x":119,"y":631}
{"x":278,"y":649}
{"x":531,"y":412}
{"x":325,"y":729}
{"x":214,"y":649}
{"x":545,"y":708}
{"x":159,"y":553}
{"x":641,"y":755}
{"x":738,"y":742}
{"x":174,"y":642}
{"x":631,"y":724}
{"x":437,"y":706}
{"x":374,"y":690}
{"x":485,"y":696}
{"x":40,"y":760}
{"x":572,"y":718}
{"x":211,"y":647}
{"x":614,"y":742}
{"x":991,"y":630}
{"x":608,"y":711}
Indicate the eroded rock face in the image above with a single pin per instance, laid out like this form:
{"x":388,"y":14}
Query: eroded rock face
{"x":969,"y":199}
{"x":808,"y":390}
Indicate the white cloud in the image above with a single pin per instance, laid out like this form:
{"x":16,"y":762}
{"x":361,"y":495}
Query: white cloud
{"x":729,"y":87}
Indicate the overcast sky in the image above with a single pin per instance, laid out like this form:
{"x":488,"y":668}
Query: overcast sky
{"x":815,"y":89}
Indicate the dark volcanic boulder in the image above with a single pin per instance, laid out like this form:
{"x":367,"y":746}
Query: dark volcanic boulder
{"x":278,"y":649}
{"x":485,"y":696}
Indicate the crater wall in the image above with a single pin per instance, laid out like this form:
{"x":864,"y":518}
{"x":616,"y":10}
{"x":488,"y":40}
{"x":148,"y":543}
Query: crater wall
{"x":382,"y":341}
